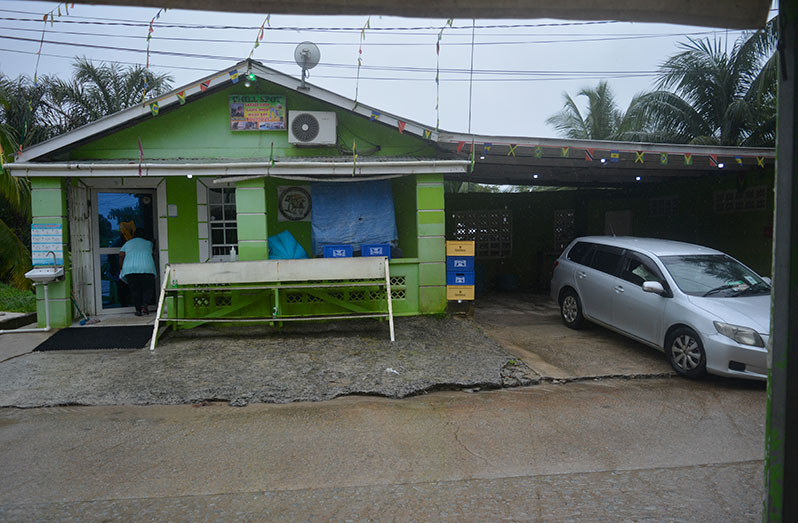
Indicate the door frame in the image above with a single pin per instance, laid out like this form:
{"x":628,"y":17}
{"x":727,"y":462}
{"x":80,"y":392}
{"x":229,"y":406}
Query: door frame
{"x":97,"y":250}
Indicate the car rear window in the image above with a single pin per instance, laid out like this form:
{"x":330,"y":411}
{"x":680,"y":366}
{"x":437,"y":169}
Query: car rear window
{"x":578,"y":252}
{"x":606,"y":259}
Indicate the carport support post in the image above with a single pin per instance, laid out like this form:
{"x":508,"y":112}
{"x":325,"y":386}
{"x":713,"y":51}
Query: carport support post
{"x":251,"y":220}
{"x":781,"y":437}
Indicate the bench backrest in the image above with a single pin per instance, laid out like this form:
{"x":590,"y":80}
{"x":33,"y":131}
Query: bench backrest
{"x":264,"y":271}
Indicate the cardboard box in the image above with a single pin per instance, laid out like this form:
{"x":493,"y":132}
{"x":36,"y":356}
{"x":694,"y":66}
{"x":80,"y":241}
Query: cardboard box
{"x":459,"y":292}
{"x":460,"y":248}
{"x":337,"y":251}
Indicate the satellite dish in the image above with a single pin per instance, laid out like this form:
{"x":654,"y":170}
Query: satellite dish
{"x":307,"y":56}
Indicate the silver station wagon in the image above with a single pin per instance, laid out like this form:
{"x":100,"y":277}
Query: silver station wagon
{"x":707,"y":311}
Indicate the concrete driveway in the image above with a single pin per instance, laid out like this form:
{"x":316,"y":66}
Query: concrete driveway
{"x":529,"y":326}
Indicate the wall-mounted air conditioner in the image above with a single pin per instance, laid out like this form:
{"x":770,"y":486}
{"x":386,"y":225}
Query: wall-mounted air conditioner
{"x":311,"y":128}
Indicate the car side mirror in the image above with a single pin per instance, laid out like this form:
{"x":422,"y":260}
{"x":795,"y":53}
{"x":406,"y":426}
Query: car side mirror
{"x":653,"y":286}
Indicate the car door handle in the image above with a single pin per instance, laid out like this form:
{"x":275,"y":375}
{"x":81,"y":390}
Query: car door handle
{"x":619,"y":289}
{"x":581,"y":274}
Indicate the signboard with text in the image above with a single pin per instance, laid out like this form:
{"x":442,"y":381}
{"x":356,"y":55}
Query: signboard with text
{"x":44,"y":239}
{"x":257,"y":112}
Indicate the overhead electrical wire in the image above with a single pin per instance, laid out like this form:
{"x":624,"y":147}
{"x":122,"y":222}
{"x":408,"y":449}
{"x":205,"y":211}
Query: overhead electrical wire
{"x":604,"y":38}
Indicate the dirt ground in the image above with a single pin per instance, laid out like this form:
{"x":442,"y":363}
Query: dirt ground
{"x":256,"y":364}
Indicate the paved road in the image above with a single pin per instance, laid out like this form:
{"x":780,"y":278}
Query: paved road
{"x":658,"y":449}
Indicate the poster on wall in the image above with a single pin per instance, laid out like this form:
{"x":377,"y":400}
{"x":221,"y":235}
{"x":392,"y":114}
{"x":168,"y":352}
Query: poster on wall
{"x":46,"y":239}
{"x":257,"y":112}
{"x":294,"y":204}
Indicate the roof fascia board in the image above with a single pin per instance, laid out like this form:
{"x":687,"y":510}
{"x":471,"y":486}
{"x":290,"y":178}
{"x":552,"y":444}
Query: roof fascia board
{"x":98,"y":170}
{"x":528,"y":141}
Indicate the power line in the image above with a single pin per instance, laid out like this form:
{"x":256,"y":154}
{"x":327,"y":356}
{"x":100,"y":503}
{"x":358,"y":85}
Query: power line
{"x":407,"y":69}
{"x":565,"y":76}
{"x":354,"y":44}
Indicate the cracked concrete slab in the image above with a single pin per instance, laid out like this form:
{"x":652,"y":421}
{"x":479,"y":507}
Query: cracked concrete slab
{"x":311,"y":362}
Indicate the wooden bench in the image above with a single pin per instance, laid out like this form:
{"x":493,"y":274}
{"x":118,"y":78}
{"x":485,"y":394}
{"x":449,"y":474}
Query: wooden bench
{"x":274,"y":276}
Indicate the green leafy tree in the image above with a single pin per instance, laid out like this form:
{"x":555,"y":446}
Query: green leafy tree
{"x":708,"y":95}
{"x":95,"y":91}
{"x":14,"y":201}
{"x":602,"y":120}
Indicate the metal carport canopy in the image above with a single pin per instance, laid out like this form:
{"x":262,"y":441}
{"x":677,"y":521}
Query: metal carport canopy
{"x":514,"y":160}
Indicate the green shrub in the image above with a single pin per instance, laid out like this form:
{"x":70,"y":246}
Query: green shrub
{"x":15,"y":300}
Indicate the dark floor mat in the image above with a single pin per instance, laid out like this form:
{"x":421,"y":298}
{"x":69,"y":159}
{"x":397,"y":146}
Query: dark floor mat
{"x":93,"y":338}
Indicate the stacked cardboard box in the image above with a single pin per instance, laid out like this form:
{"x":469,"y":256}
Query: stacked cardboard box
{"x":459,"y":270}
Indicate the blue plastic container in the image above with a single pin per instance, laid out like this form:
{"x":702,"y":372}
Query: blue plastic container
{"x":459,"y":263}
{"x":337,"y":251}
{"x":460,"y":278}
{"x":376,"y":249}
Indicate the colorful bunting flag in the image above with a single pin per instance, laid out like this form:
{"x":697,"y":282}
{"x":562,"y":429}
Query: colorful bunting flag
{"x":565,"y":152}
{"x":181,"y":97}
{"x":367,"y":25}
{"x":354,"y":157}
{"x":154,"y":108}
{"x":588,"y":155}
{"x":663,"y":158}
{"x":141,"y":155}
{"x":511,"y":150}
{"x":401,"y":126}
{"x":538,"y":152}
{"x":739,"y":160}
{"x":760,"y":161}
{"x":460,"y":146}
{"x":375,"y":115}
{"x":427,"y":133}
{"x":204,"y":86}
{"x":234,"y":76}
{"x":688,"y":158}
{"x":615,"y":156}
{"x":639,"y":157}
{"x":486,"y":147}
{"x":713,"y":160}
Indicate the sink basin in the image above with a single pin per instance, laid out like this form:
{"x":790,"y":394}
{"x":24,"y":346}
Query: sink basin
{"x":45,"y":274}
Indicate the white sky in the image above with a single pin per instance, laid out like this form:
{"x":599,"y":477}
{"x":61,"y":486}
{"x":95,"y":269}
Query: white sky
{"x":519,"y":77}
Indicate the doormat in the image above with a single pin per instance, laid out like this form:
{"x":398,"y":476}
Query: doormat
{"x":95,"y":338}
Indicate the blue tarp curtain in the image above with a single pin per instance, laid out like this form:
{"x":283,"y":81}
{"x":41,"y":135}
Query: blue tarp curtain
{"x":353,"y":213}
{"x":284,"y":246}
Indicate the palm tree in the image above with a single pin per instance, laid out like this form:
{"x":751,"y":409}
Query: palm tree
{"x":14,"y":203}
{"x":95,"y":91}
{"x":706,"y":95}
{"x":602,"y":121}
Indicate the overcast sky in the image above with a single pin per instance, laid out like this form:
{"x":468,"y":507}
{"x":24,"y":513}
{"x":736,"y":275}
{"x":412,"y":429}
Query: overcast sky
{"x":519,"y":72}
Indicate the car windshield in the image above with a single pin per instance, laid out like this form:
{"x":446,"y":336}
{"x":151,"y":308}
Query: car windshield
{"x":714,"y":275}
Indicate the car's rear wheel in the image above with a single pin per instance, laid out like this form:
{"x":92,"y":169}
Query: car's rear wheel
{"x":686,"y":353}
{"x":571,"y":309}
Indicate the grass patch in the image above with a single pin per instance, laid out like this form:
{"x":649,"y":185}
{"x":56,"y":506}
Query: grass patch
{"x":15,"y":300}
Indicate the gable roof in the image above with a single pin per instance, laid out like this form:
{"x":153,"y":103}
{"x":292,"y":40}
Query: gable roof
{"x":203,"y":87}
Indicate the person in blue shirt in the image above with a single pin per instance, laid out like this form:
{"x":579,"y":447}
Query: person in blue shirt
{"x":138,"y":270}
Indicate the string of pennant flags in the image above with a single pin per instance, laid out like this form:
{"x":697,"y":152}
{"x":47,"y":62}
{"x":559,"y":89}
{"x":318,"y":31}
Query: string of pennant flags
{"x":613,"y":156}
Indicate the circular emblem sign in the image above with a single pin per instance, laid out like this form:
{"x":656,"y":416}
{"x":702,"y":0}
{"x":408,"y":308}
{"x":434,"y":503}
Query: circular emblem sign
{"x":294,"y":204}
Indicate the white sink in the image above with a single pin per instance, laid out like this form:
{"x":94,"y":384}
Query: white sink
{"x":45,"y":274}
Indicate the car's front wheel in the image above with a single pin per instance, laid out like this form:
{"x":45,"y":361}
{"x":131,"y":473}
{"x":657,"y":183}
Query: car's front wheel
{"x":686,"y":353}
{"x":571,"y":309}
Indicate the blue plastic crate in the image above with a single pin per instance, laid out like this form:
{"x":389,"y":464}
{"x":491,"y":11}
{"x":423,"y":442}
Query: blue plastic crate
{"x":459,"y":263}
{"x":337,"y":251}
{"x":460,"y":278}
{"x":376,"y":249}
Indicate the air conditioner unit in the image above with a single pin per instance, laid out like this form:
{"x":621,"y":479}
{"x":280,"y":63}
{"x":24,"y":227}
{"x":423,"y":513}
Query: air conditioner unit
{"x":311,"y":128}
